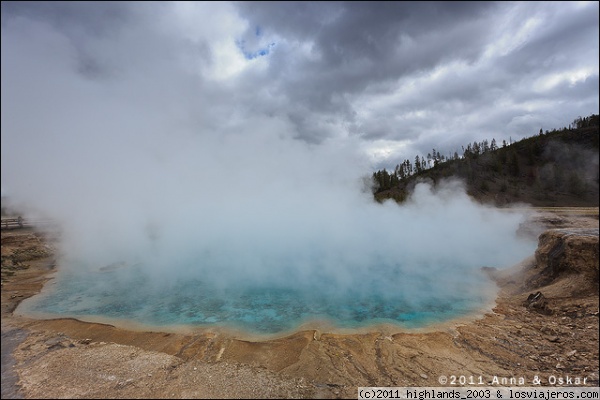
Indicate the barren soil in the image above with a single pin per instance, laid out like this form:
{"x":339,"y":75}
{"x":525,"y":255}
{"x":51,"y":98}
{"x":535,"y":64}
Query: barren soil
{"x":550,"y":336}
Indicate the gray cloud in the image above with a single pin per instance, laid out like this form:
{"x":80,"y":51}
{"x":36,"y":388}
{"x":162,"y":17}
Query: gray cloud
{"x":360,"y":49}
{"x":490,"y":68}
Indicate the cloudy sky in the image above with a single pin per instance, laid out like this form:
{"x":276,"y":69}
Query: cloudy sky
{"x":395,"y":79}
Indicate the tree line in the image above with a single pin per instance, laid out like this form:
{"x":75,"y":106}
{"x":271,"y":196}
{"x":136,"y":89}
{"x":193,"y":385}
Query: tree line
{"x":504,"y":159}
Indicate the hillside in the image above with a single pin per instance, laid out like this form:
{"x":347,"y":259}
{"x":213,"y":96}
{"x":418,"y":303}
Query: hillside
{"x":553,"y":169}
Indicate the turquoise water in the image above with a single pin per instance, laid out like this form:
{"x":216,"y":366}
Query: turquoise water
{"x":254,"y":308}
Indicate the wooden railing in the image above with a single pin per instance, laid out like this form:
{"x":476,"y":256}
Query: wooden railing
{"x":19,"y":222}
{"x":8,"y":223}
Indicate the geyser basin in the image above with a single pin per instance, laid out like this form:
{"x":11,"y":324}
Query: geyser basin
{"x":125,"y":293}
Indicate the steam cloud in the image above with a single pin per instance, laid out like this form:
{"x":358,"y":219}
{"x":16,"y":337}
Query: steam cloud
{"x":152,"y":163}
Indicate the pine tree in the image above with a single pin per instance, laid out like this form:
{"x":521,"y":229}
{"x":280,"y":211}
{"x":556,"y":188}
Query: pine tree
{"x":493,"y":146}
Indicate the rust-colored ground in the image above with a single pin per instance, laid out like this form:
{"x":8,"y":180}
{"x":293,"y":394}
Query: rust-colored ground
{"x":552,"y":337}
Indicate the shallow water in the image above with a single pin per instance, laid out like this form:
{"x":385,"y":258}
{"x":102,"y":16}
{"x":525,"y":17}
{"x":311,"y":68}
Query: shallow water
{"x":252,"y":307}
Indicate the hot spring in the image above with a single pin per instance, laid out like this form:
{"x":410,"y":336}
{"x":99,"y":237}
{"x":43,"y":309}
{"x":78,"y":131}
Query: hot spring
{"x":410,"y":266}
{"x":267,"y":309}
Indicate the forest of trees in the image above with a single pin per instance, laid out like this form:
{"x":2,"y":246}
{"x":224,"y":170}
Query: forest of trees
{"x":388,"y":179}
{"x":540,"y":165}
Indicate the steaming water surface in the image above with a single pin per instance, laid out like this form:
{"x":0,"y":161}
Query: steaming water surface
{"x":256,"y":308}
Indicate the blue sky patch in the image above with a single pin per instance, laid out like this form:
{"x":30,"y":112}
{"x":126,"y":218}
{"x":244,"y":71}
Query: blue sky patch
{"x":250,"y":55}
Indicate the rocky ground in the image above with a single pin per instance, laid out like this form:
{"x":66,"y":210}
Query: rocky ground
{"x":544,"y":325}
